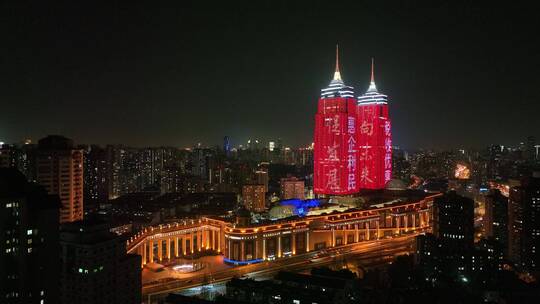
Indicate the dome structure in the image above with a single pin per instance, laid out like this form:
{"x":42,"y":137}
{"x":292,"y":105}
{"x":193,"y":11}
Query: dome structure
{"x":395,"y":185}
{"x":280,"y":212}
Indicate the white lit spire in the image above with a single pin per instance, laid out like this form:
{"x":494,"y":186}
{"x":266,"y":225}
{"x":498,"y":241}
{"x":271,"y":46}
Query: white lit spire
{"x":372,"y":96}
{"x":372,"y":86}
{"x":337,"y":74}
{"x":337,"y":88}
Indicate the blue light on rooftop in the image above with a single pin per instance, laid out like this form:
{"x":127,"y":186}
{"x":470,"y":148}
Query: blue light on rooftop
{"x":301,"y":207}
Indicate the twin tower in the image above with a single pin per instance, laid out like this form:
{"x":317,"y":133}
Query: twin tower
{"x":353,"y":139}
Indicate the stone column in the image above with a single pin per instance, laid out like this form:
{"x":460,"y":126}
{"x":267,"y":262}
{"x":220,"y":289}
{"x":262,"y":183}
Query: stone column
{"x":203,"y":240}
{"x":151,"y":251}
{"x":293,"y":243}
{"x":307,"y":241}
{"x":366,"y":225}
{"x":264,"y":249}
{"x":229,"y":247}
{"x":176,"y":239}
{"x":242,"y":250}
{"x":406,"y":222}
{"x":218,"y":235}
{"x":160,"y":250}
{"x":256,"y":248}
{"x":279,"y":246}
{"x":144,"y":247}
{"x":192,"y":237}
{"x":168,"y":250}
{"x":199,"y":241}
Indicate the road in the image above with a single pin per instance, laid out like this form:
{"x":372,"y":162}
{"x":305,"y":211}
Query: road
{"x":368,"y":252}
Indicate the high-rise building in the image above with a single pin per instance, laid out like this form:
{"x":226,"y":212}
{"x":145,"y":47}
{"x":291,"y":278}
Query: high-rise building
{"x":453,"y":226}
{"x":279,"y":145}
{"x":200,"y":159}
{"x":374,"y":138}
{"x":113,"y":171}
{"x":20,"y":157}
{"x":530,"y":149}
{"x":524,"y":224}
{"x":496,"y":218}
{"x":227,"y":145}
{"x":335,"y":146}
{"x":29,"y":248}
{"x":262,"y":178}
{"x":95,"y":177}
{"x":254,"y":197}
{"x":453,"y":218}
{"x":60,"y":171}
{"x":95,"y":267}
{"x":515,"y":223}
{"x":292,"y":187}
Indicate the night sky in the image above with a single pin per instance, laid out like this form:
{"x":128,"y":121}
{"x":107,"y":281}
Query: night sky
{"x":457,"y":75}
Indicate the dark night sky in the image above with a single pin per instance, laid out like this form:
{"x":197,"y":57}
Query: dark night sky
{"x":457,"y":75}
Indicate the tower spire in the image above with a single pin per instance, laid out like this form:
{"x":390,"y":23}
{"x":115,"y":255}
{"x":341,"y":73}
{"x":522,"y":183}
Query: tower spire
{"x":372,"y":69}
{"x":372,"y":86}
{"x":337,"y":74}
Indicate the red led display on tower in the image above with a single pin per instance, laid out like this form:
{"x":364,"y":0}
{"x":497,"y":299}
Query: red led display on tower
{"x":353,"y":139}
{"x":335,"y":151}
{"x":335,"y":170}
{"x":374,"y":139}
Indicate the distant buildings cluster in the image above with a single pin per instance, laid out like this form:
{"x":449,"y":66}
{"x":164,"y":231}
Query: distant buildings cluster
{"x":42,"y":261}
{"x":69,"y":214}
{"x":508,"y":240}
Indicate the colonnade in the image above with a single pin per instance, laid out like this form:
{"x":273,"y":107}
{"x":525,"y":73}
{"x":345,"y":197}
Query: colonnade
{"x":248,"y":247}
{"x":160,"y":247}
{"x":266,"y":246}
{"x":370,"y":229}
{"x":255,"y":243}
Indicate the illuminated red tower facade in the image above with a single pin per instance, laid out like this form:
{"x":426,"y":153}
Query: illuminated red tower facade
{"x":374,"y":138}
{"x":335,"y":145}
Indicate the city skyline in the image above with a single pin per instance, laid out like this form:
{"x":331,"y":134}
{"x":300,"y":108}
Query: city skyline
{"x":277,"y":152}
{"x":140,"y":81}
